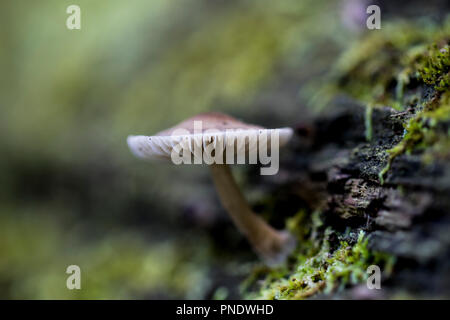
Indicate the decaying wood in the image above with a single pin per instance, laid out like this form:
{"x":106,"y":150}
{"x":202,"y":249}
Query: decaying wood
{"x":406,"y":217}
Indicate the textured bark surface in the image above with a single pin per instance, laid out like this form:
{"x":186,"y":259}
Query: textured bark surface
{"x":337,"y":172}
{"x":406,"y":217}
{"x":378,"y":173}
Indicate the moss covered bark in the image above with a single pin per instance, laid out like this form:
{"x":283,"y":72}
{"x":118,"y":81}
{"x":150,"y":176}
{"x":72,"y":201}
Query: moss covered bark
{"x":377,"y":162}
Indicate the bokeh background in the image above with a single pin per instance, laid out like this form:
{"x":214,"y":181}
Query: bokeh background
{"x":71,"y":192}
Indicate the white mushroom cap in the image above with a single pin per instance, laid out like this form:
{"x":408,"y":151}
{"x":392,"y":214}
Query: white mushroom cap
{"x":219,"y":134}
{"x":215,"y":129}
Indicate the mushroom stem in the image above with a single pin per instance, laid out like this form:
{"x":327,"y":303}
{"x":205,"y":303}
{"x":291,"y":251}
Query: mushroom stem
{"x":272,"y":245}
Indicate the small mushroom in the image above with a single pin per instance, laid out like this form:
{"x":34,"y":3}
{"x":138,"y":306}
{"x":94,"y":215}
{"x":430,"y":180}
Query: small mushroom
{"x":211,"y":144}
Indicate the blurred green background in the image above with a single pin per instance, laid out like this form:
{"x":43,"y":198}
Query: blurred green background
{"x":71,"y":192}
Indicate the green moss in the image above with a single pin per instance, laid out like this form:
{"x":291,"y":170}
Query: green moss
{"x":298,"y":225}
{"x":395,"y":67}
{"x":323,"y":269}
{"x":431,"y":66}
{"x":413,"y":135}
{"x":377,"y":68}
{"x":435,"y":67}
{"x":421,"y":130}
{"x":221,"y":293}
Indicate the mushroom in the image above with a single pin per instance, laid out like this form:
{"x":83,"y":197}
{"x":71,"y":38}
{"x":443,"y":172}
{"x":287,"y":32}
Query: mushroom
{"x":218,"y":140}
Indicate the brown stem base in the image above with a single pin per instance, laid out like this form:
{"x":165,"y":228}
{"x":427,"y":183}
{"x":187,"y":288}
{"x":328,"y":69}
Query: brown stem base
{"x":272,"y":245}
